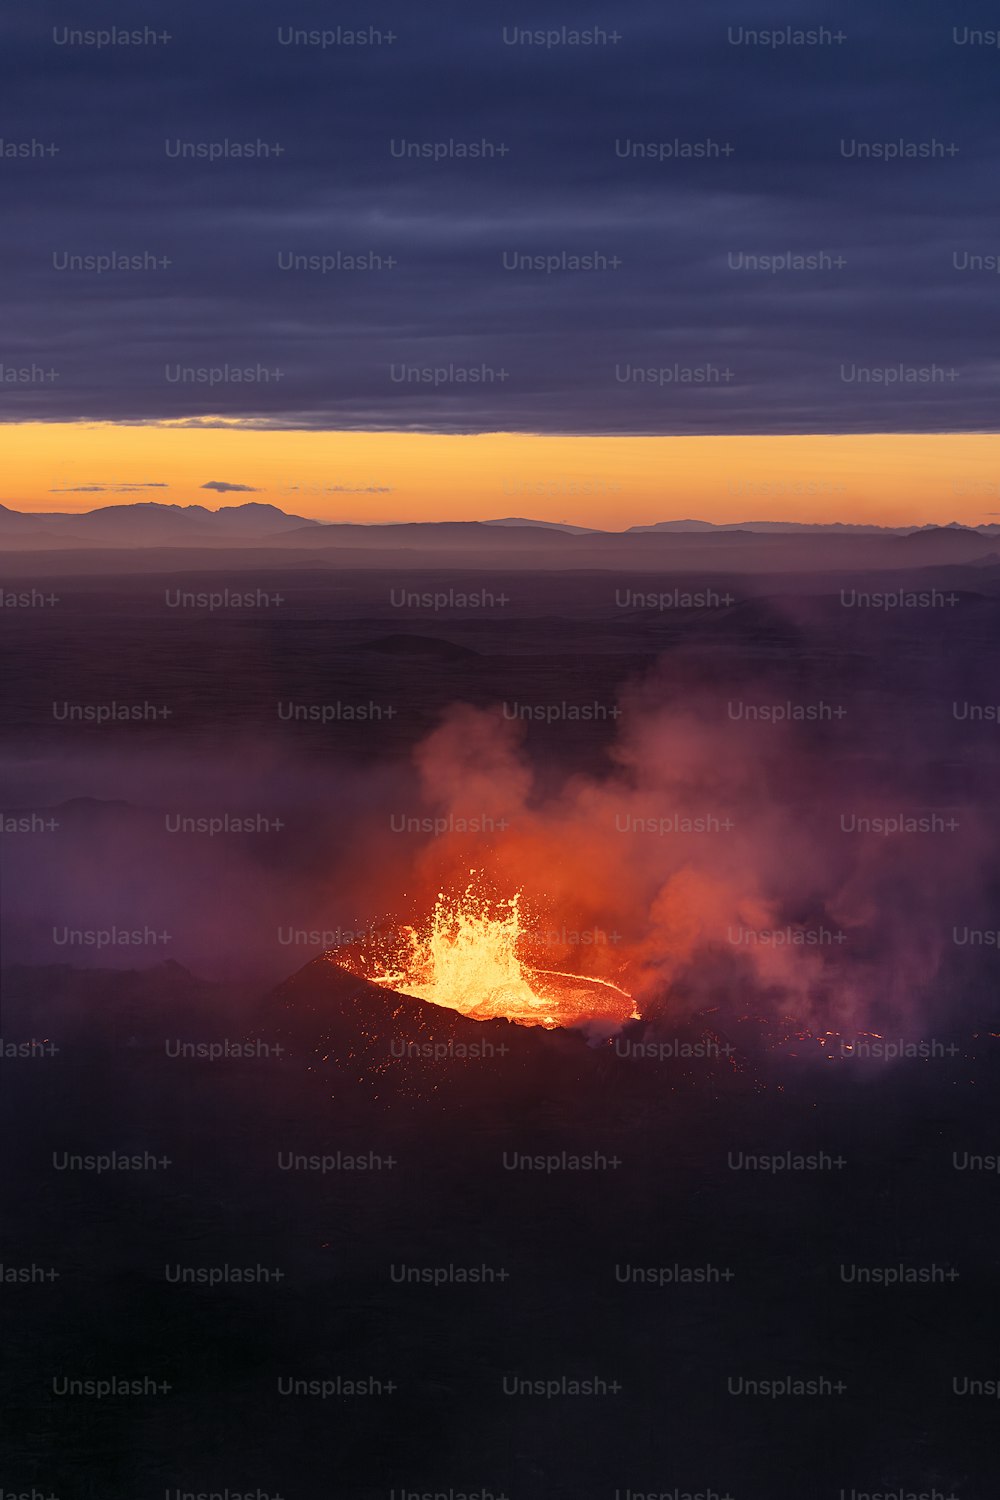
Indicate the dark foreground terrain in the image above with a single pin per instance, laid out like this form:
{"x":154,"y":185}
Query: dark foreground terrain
{"x":379,"y":1192}
{"x":751,"y":1269}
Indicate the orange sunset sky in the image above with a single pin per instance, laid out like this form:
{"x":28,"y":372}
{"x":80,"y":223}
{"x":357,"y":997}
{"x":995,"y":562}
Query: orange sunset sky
{"x":608,"y":482}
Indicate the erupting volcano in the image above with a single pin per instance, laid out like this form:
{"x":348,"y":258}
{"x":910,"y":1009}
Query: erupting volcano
{"x":469,"y":957}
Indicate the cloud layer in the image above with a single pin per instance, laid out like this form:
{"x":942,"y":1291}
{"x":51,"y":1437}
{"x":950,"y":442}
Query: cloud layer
{"x":302,"y":284}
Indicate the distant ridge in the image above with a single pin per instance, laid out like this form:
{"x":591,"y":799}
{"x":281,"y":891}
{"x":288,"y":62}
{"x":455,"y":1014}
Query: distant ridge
{"x":260,"y":534}
{"x":258,"y":519}
{"x":551,"y":525}
{"x":251,"y":513}
{"x":815,"y":528}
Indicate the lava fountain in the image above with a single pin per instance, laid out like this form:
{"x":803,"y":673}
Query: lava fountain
{"x":468,"y":957}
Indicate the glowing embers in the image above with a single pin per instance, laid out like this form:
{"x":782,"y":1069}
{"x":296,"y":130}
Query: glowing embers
{"x":469,"y":957}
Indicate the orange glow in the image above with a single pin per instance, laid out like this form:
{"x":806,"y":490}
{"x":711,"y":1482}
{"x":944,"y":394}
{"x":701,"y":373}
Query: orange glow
{"x":604,"y":482}
{"x":467,"y":959}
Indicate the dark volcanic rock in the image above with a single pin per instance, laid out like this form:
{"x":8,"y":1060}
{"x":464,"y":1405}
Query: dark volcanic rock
{"x":362,"y":1037}
{"x":425,"y":646}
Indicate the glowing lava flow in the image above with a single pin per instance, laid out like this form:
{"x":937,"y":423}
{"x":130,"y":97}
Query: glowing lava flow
{"x":468,"y":961}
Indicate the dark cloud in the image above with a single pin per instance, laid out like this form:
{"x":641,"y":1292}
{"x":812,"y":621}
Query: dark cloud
{"x":234,"y":312}
{"x":224,"y":487}
{"x":116,"y":489}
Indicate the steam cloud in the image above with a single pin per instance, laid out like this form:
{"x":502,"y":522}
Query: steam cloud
{"x":772,"y":899}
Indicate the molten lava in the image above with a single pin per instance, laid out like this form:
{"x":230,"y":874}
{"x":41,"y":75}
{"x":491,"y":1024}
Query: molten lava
{"x":468,"y":958}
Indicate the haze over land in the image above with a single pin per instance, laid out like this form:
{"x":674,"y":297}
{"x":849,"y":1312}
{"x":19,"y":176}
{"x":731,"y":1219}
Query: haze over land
{"x":254,"y":535}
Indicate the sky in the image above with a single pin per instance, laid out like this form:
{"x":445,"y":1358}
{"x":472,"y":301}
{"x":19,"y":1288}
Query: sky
{"x":604,"y":482}
{"x":674,"y":230}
